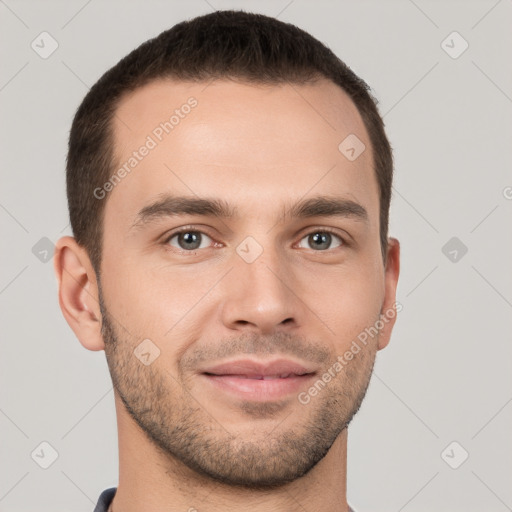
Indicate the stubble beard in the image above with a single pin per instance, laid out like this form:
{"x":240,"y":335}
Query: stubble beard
{"x":187,"y":433}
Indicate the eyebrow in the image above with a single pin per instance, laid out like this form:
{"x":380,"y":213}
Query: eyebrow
{"x":319,"y":206}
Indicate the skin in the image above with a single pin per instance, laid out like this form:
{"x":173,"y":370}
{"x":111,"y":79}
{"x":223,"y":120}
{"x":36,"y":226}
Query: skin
{"x":261,"y":149}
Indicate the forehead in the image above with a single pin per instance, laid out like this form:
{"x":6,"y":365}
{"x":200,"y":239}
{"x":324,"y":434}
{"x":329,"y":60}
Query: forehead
{"x":240,"y":142}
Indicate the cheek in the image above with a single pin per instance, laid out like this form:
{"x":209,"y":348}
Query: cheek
{"x":347,"y":301}
{"x":161,"y":303}
{"x":132,"y":297}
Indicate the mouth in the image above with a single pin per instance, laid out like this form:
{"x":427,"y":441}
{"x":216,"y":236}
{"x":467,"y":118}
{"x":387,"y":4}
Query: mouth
{"x":259,"y":381}
{"x":256,"y":377}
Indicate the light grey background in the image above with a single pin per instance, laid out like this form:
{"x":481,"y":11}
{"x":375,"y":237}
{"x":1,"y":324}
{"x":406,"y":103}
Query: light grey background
{"x":446,"y":374}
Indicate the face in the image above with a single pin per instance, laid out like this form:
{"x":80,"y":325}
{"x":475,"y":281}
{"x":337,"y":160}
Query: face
{"x":241,"y":261}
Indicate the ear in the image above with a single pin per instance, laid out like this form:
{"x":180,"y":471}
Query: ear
{"x":390,"y":308}
{"x":78,"y":292}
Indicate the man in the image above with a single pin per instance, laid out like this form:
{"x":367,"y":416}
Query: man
{"x":229,"y":185}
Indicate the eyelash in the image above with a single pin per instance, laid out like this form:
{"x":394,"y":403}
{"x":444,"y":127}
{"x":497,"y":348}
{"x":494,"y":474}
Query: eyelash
{"x":187,"y":229}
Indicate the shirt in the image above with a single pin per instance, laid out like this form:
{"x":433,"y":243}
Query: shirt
{"x":108,"y":495}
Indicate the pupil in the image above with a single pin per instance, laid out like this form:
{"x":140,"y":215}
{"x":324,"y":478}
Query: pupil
{"x":320,"y":240}
{"x":190,"y":238}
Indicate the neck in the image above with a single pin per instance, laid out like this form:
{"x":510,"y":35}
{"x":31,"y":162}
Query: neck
{"x":152,"y":480}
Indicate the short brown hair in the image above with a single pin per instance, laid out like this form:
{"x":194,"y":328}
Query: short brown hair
{"x":225,"y":44}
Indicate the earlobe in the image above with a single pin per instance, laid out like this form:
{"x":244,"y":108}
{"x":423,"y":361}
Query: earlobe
{"x":78,"y":292}
{"x":389,"y":309}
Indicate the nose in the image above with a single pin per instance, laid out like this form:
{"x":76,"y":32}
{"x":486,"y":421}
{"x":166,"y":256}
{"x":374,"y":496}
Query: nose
{"x":262,"y":296}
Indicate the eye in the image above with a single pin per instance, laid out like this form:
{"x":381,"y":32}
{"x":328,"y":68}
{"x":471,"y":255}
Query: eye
{"x":321,"y":240}
{"x":189,"y":240}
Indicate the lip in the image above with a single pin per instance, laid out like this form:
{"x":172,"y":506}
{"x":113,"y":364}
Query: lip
{"x":259,"y":380}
